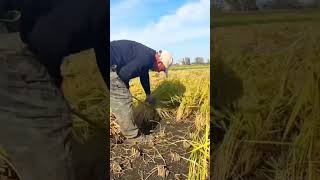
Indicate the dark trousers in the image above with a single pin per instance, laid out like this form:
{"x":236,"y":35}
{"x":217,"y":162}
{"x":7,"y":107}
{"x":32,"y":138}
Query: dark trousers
{"x":35,"y":123}
{"x":122,"y":106}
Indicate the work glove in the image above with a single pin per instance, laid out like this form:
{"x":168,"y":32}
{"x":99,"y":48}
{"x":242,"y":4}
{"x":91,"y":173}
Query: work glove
{"x":151,"y":100}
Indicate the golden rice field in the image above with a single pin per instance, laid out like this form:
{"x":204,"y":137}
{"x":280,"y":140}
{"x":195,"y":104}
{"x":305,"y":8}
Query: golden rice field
{"x":183,"y":97}
{"x":182,"y":100}
{"x":273,"y":133}
{"x":182,"y":104}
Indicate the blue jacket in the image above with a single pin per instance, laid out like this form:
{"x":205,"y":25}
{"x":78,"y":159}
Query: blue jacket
{"x":54,"y":29}
{"x":132,"y":59}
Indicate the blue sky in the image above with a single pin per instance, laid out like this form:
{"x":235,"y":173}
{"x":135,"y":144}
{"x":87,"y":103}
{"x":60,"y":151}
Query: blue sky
{"x":180,"y":26}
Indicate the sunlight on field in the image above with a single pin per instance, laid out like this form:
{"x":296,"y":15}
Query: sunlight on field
{"x":273,"y":133}
{"x":184,"y":96}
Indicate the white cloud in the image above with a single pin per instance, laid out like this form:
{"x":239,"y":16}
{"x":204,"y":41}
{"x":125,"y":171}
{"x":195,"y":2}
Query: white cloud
{"x":123,"y":6}
{"x":190,"y":21}
{"x":119,"y":10}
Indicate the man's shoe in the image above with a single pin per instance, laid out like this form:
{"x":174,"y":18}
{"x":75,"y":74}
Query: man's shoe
{"x":139,"y":139}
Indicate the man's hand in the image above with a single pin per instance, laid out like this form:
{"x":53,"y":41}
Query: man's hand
{"x":151,"y":100}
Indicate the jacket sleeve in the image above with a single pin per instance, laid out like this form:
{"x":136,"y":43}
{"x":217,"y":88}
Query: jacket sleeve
{"x":3,"y":6}
{"x":101,"y":48}
{"x":127,"y":71}
{"x":55,"y":32}
{"x":102,"y":62}
{"x":49,"y":36}
{"x":145,"y":82}
{"x":134,"y":69}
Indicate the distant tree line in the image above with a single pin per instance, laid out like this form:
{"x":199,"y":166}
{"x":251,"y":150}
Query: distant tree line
{"x":197,"y":60}
{"x":249,"y":5}
{"x":292,"y":4}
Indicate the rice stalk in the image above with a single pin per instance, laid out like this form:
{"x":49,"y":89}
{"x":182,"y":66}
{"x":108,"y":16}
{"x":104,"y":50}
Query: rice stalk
{"x":201,"y":149}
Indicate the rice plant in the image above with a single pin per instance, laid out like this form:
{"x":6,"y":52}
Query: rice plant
{"x":184,"y":97}
{"x":274,"y":132}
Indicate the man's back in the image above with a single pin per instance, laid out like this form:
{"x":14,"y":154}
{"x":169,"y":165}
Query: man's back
{"x":123,"y":52}
{"x":68,"y":27}
{"x":132,"y":59}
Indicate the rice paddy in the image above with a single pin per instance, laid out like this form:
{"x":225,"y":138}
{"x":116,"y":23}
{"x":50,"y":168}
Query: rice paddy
{"x":273,"y":132}
{"x":265,"y":115}
{"x":182,"y":101}
{"x":181,"y":148}
{"x":181,"y":114}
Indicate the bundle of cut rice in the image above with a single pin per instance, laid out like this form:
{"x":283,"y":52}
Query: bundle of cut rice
{"x":115,"y":133}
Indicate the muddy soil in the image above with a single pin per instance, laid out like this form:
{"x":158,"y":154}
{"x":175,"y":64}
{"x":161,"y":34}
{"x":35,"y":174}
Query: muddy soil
{"x":163,"y":158}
